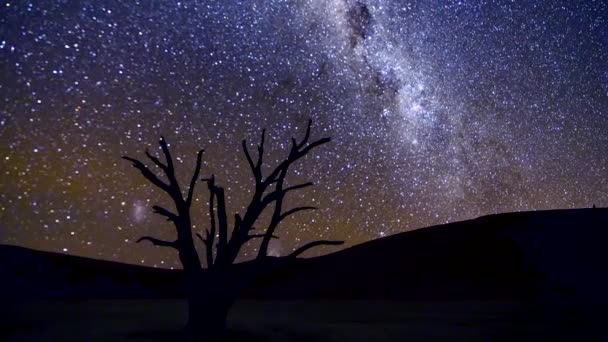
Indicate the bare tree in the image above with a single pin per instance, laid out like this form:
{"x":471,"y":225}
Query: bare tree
{"x":212,"y":292}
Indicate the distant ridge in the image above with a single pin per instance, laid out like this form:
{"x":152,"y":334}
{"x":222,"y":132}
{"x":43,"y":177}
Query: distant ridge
{"x":28,"y":273}
{"x":546,"y":255}
{"x":554,"y":254}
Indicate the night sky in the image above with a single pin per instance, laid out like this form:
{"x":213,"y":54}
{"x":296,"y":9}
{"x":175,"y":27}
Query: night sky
{"x":439,"y":111}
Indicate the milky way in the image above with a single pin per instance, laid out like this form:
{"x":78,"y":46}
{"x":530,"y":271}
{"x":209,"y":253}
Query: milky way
{"x":439,"y":111}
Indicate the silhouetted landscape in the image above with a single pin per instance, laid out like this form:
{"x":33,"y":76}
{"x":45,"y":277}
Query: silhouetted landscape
{"x":517,"y":268}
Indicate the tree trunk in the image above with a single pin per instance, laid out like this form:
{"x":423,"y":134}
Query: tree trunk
{"x":209,"y":302}
{"x":207,"y":318}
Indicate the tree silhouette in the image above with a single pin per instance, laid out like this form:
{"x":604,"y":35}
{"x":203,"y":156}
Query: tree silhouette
{"x":212,"y":292}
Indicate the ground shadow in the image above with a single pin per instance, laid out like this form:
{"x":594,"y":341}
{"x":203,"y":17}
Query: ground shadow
{"x":176,"y":335}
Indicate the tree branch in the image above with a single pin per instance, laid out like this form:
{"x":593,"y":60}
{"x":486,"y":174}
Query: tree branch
{"x":197,"y":170}
{"x":254,"y":169}
{"x":163,"y":145}
{"x":182,"y":219}
{"x":275,"y":195}
{"x":276,"y":214}
{"x":158,"y":242}
{"x":296,"y":187}
{"x":211,"y":232}
{"x":237,"y":223}
{"x":313,"y":145}
{"x":294,"y":210}
{"x":305,"y":140}
{"x":261,"y":151}
{"x":312,"y":245}
{"x":170,"y":171}
{"x":164,"y":212}
{"x":148,"y":174}
{"x":256,"y":236}
{"x":156,"y":161}
{"x":294,"y":145}
{"x":278,"y":175}
{"x":208,"y":243}
{"x":222,"y":221}
{"x":294,"y":155}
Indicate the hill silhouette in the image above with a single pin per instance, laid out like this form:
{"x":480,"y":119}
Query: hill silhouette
{"x":556,"y":254}
{"x":32,"y":274}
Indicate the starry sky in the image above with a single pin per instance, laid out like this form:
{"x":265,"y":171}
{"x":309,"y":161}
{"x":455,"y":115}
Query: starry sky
{"x":439,"y":111}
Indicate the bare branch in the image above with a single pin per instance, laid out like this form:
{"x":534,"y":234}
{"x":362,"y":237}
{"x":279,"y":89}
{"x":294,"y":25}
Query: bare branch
{"x":296,"y":187}
{"x":294,"y":210}
{"x":276,"y":195}
{"x":298,"y":150}
{"x":212,"y":194}
{"x":274,"y":175}
{"x":294,"y":145}
{"x":164,"y":212}
{"x":156,"y":161}
{"x":163,"y":145}
{"x":261,"y":151}
{"x":210,"y":232}
{"x":237,"y":222}
{"x":279,"y":194}
{"x":222,"y":221}
{"x":148,"y":174}
{"x":313,"y":145}
{"x":182,"y":220}
{"x":256,"y":236}
{"x":208,"y":243}
{"x":307,"y":136}
{"x":175,"y":192}
{"x":197,"y":170}
{"x":228,"y":250}
{"x":312,"y":245}
{"x":294,"y":155}
{"x":254,"y":169}
{"x":158,"y":242}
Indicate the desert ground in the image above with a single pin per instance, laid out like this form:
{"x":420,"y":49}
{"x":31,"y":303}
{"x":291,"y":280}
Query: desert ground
{"x":158,"y":320}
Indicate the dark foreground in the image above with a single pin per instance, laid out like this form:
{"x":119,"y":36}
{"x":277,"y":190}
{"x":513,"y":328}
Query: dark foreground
{"x":159,"y":320}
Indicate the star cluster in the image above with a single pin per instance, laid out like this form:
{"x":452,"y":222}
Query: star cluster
{"x":439,"y":111}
